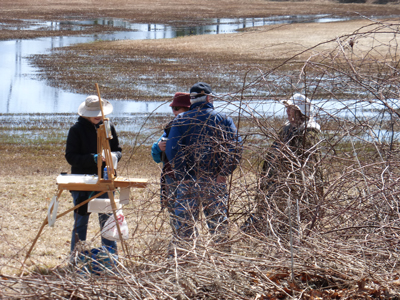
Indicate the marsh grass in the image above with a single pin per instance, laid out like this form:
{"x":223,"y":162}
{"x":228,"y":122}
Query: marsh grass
{"x":241,"y":58}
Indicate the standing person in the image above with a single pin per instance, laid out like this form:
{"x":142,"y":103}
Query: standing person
{"x":180,"y":104}
{"x":203,"y":148}
{"x":291,"y":170}
{"x":81,"y":154}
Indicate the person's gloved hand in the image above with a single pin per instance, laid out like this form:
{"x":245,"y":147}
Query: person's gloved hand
{"x":95,"y":158}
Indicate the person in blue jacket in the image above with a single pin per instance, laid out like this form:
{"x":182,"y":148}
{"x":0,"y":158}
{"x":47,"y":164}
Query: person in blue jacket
{"x":180,"y":104}
{"x":203,"y":148}
{"x":81,"y":154}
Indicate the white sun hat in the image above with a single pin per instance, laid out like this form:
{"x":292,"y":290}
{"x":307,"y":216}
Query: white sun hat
{"x":91,"y":107}
{"x":301,"y":102}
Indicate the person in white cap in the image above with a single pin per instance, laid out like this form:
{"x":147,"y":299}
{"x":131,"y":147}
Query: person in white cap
{"x":81,"y":154}
{"x":291,"y":168}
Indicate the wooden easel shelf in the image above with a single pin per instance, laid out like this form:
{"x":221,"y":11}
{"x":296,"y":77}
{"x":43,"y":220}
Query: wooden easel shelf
{"x":105,"y":185}
{"x":130,"y":182}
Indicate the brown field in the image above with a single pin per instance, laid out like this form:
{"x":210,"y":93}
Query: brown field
{"x":28,"y":171}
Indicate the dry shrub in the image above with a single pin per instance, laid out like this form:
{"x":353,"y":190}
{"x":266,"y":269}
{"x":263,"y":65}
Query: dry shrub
{"x":351,"y":251}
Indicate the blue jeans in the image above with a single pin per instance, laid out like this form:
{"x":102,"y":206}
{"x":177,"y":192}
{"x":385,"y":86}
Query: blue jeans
{"x":168,"y":194}
{"x":186,"y":209}
{"x":81,"y":223}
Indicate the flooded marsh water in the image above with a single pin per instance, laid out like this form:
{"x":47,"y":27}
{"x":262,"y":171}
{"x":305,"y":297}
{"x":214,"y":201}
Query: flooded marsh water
{"x":21,"y":90}
{"x":140,"y":123}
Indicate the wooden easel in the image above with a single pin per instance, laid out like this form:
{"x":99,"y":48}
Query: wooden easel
{"x":102,"y":185}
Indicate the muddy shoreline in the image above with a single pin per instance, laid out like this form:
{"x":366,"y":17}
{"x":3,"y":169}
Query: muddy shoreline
{"x":17,"y":16}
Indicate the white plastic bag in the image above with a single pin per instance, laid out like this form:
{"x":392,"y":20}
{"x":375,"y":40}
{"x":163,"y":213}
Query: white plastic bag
{"x":110,"y":230}
{"x":114,"y":160}
{"x":52,"y":211}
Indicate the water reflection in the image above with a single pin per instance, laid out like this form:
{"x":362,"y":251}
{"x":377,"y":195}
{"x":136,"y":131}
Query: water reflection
{"x":22,"y":92}
{"x":214,"y":25}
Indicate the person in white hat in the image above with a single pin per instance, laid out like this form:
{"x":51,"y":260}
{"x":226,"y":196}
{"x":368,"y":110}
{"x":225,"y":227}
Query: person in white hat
{"x":291,"y":168}
{"x":299,"y":112}
{"x":81,"y":154}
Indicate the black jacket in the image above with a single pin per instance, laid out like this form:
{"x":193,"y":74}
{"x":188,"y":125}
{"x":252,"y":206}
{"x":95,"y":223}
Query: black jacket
{"x":82,"y":146}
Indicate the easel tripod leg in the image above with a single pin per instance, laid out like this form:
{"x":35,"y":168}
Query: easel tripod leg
{"x":45,"y":222}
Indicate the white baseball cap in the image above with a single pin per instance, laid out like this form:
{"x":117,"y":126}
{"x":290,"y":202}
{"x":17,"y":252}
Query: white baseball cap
{"x":301,"y":102}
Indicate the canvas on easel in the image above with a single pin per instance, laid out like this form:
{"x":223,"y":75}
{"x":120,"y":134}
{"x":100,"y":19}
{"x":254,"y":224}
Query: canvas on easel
{"x":93,"y":183}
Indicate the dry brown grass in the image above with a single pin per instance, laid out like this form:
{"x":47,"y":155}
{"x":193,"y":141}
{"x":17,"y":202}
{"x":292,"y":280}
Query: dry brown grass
{"x":261,"y":44}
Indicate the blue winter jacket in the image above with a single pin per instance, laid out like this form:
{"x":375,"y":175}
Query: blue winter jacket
{"x":203,"y":143}
{"x":156,"y":152}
